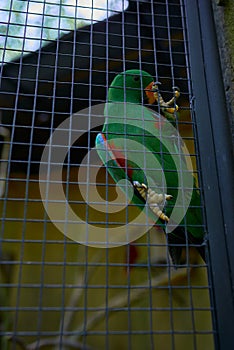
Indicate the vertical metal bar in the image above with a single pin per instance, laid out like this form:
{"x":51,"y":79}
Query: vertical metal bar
{"x":214,"y":141}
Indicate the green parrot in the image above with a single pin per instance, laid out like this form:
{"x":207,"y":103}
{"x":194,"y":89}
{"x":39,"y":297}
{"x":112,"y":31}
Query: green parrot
{"x":142,"y":146}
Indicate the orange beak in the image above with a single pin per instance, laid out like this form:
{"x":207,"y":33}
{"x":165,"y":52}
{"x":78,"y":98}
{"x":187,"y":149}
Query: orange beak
{"x":150,"y":93}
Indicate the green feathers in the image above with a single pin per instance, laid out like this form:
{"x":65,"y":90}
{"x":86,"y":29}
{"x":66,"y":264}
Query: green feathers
{"x":143,"y":147}
{"x":129,"y":86}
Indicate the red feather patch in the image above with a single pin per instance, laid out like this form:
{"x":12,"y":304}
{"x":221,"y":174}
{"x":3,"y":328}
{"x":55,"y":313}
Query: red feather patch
{"x":132,"y":255}
{"x":120,"y":159}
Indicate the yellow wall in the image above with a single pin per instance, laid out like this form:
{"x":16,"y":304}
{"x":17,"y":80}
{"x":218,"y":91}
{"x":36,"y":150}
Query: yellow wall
{"x":50,"y":273}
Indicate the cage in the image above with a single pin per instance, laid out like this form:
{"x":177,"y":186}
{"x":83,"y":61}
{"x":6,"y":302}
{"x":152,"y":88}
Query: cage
{"x":62,"y":286}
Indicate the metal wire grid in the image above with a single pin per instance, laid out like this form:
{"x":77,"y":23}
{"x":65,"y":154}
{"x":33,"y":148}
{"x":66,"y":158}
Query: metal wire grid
{"x":55,"y":292}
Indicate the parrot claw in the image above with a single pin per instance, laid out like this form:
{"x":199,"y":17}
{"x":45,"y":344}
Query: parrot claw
{"x":168,"y":197}
{"x":176,"y":91}
{"x":169,"y":106}
{"x":153,"y":199}
{"x":137,"y":184}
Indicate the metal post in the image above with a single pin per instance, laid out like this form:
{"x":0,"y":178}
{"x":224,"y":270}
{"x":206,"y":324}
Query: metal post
{"x":215,"y":148}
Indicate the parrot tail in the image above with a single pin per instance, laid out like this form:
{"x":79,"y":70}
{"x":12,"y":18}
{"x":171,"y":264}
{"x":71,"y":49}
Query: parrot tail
{"x":177,"y":240}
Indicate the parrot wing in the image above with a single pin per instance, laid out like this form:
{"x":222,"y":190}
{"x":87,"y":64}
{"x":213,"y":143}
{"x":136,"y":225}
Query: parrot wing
{"x":118,"y":167}
{"x":133,"y":147}
{"x":141,"y":146}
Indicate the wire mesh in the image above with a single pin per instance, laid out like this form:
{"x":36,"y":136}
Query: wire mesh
{"x":59,"y":59}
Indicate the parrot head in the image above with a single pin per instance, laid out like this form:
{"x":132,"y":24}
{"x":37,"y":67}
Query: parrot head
{"x":132,"y":86}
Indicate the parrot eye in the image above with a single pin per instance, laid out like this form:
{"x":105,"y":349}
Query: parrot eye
{"x":136,"y":78}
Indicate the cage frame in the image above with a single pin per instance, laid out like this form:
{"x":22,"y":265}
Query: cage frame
{"x":213,"y":136}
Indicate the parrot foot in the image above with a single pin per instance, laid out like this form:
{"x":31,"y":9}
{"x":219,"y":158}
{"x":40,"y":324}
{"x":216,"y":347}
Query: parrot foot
{"x":153,"y":198}
{"x":169,"y":106}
